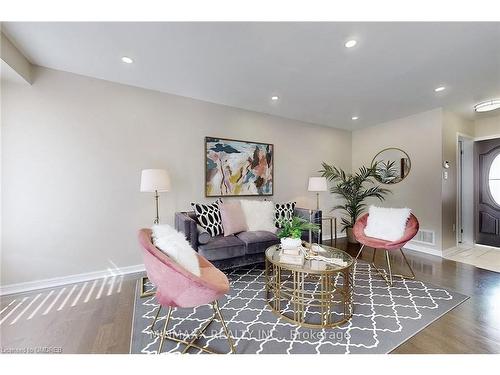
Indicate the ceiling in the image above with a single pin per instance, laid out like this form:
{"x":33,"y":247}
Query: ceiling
{"x":390,"y":73}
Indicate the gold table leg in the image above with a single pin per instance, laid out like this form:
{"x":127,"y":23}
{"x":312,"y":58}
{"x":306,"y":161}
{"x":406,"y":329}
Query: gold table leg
{"x":329,"y":298}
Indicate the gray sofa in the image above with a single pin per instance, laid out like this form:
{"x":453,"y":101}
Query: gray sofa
{"x":235,"y":250}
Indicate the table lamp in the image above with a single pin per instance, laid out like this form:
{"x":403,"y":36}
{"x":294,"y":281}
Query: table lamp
{"x":317,"y":184}
{"x":155,"y":181}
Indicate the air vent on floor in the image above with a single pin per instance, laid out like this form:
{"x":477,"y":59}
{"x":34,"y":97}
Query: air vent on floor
{"x":425,"y":236}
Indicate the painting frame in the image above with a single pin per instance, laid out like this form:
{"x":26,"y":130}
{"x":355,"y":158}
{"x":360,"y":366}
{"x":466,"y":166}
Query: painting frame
{"x":209,"y":139}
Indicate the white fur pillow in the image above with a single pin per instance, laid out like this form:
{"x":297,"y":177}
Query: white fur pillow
{"x":174,"y":244}
{"x":259,"y":215}
{"x":387,"y":223}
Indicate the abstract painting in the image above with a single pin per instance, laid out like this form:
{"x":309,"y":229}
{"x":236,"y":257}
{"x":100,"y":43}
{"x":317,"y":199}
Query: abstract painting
{"x":238,"y":168}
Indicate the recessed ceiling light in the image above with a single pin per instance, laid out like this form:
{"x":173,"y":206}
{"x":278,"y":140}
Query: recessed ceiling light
{"x":275,"y":98}
{"x":440,"y":88}
{"x":127,"y":60}
{"x":350,"y":43}
{"x":488,"y":105}
{"x":354,"y":118}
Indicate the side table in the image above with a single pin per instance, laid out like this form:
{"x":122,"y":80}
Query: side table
{"x":333,"y":228}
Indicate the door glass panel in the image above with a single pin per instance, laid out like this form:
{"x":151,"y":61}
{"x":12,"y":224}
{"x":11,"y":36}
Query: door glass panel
{"x":494,"y":179}
{"x":495,"y":168}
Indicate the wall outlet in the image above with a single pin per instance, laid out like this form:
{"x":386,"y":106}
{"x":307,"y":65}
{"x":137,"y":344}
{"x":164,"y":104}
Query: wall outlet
{"x":445,"y":175}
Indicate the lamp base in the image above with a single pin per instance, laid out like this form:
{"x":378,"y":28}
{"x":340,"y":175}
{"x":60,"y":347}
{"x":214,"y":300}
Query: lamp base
{"x":157,"y":218}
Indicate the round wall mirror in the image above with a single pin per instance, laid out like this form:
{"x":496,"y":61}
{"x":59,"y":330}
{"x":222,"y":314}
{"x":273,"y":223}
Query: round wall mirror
{"x":392,"y":165}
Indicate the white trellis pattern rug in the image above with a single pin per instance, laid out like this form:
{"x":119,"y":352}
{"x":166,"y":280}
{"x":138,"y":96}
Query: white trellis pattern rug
{"x":383,"y":318}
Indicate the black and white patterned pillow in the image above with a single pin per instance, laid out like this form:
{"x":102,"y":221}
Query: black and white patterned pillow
{"x":283,"y":212}
{"x":209,"y":218}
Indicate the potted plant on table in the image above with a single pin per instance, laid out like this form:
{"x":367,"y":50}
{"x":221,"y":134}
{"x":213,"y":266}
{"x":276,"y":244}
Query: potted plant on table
{"x":354,"y":189}
{"x":291,"y":232}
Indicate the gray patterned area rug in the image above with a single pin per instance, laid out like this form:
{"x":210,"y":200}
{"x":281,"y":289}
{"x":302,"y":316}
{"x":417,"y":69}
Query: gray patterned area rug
{"x":383,"y":318}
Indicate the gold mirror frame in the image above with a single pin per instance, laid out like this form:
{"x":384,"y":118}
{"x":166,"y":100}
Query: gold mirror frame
{"x":407,"y":168}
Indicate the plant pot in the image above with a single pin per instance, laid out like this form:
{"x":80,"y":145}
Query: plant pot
{"x":350,"y":236}
{"x":289,"y":243}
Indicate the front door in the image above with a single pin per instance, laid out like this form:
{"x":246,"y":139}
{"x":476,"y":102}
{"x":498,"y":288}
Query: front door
{"x":487,"y":197}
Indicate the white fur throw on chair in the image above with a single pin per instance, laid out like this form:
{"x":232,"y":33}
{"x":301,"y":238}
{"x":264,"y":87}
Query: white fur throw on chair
{"x":387,"y":223}
{"x":174,"y":245}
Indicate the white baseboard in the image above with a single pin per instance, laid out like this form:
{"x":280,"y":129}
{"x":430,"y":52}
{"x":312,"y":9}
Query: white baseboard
{"x":70,"y":279}
{"x":423,"y":249}
{"x":409,"y":246}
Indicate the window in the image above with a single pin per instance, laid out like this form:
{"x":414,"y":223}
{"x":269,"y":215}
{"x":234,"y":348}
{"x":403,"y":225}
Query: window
{"x":494,"y":179}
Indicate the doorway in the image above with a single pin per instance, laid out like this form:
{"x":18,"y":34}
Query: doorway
{"x":487,"y":192}
{"x":465,"y":192}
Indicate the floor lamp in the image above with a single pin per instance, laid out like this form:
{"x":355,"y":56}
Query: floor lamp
{"x":317,"y":184}
{"x":155,"y":181}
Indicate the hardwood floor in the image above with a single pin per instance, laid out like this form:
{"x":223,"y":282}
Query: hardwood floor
{"x":473,"y":326}
{"x":98,"y":319}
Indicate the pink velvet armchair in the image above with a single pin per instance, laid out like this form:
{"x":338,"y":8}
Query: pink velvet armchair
{"x":176,"y":287}
{"x":376,"y":243}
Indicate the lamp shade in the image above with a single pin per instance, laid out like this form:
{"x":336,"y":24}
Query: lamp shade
{"x":154,"y":180}
{"x":317,"y":184}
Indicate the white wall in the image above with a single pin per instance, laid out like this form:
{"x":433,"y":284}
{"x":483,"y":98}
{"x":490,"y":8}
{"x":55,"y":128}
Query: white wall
{"x":453,"y":125}
{"x":72,"y":151}
{"x":488,"y":126}
{"x":420,"y":137}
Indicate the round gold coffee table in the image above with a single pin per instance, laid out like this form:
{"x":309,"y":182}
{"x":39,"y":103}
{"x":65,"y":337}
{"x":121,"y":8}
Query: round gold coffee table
{"x":317,"y":293}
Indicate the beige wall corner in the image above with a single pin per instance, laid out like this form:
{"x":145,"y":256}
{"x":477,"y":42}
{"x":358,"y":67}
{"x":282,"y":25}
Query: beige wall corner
{"x":420,"y":137}
{"x":487,"y":126}
{"x":13,"y":61}
{"x":453,"y":126}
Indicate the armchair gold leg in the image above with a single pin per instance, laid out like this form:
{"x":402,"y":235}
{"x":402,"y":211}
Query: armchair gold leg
{"x":143,"y":294}
{"x":388,"y":260}
{"x":390,"y":278}
{"x":357,"y":257}
{"x":198,"y":334}
{"x":359,"y":252}
{"x":223,"y":323}
{"x":191,"y":344}
{"x":164,"y":333}
{"x":408,"y":264}
{"x":156,"y":318}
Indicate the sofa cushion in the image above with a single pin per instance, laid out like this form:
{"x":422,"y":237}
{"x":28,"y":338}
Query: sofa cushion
{"x":208,"y":216}
{"x":258,"y":241}
{"x":221,"y":247}
{"x":233,"y":218}
{"x":283,"y":213}
{"x":203,"y":236}
{"x":259,"y":215}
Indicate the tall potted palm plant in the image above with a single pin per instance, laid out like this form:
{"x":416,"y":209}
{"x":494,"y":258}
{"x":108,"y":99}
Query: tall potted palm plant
{"x":354,"y":189}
